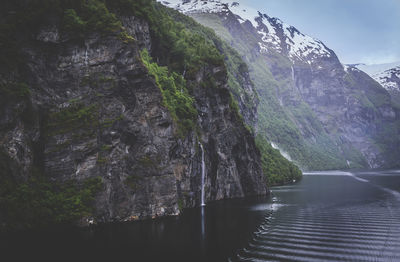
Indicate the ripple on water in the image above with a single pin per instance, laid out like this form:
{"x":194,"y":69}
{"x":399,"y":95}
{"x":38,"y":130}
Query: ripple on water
{"x":324,"y":227}
{"x":262,"y":207}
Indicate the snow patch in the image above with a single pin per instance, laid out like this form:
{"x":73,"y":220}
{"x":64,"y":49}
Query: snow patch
{"x":274,"y":33}
{"x":263,"y":48}
{"x":389,"y":79}
{"x":196,"y":6}
{"x":244,"y":12}
{"x":270,"y":38}
{"x":301,"y":45}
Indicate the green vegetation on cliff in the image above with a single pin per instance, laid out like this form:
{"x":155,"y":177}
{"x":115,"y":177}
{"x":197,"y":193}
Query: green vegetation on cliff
{"x":294,"y":127}
{"x":376,"y":100}
{"x":182,"y":52}
{"x":175,"y":95}
{"x":78,"y":17}
{"x":236,"y":68}
{"x":39,"y":202}
{"x":277,"y":169}
{"x":183,"y":46}
{"x":88,"y":16}
{"x":33,"y":200}
{"x":175,"y":45}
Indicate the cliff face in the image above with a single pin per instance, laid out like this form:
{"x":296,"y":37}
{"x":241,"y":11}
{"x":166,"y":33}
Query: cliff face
{"x":91,"y":110}
{"x":390,"y":80}
{"x":323,"y":114}
{"x":353,"y":110}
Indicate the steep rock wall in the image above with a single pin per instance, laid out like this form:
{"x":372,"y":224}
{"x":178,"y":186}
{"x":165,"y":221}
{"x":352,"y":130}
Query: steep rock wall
{"x":325,"y":115}
{"x":94,"y":111}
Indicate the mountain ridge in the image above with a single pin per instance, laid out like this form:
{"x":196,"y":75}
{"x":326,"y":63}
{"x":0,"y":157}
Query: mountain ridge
{"x":373,"y":69}
{"x":290,"y":44}
{"x":109,"y":110}
{"x":389,"y":79}
{"x":323,"y":107}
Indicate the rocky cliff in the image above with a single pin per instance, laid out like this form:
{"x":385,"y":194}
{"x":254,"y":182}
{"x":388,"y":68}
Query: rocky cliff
{"x":85,"y":105}
{"x":323,"y":114}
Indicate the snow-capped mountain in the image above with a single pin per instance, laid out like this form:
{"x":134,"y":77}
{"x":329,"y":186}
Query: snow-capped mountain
{"x":287,"y":39}
{"x":273,"y":33}
{"x":195,"y":6}
{"x":374,"y":69}
{"x":389,"y":79}
{"x":312,"y":106}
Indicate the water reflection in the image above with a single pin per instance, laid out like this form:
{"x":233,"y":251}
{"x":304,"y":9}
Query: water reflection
{"x":211,"y":233}
{"x":325,"y":217}
{"x":203,"y":229}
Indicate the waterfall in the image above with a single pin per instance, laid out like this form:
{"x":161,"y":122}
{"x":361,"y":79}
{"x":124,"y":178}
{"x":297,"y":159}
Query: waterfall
{"x":293,"y":75}
{"x":86,"y":56}
{"x":203,"y":174}
{"x":283,"y":153}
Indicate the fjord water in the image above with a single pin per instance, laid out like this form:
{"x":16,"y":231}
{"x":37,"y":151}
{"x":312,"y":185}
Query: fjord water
{"x":331,"y":216}
{"x":210,"y":233}
{"x":328,"y":216}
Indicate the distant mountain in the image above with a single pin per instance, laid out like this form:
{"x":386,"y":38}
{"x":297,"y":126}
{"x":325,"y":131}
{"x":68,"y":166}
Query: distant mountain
{"x":390,"y":80}
{"x":325,"y":115}
{"x":388,"y":75}
{"x":273,"y":33}
{"x":376,"y":68}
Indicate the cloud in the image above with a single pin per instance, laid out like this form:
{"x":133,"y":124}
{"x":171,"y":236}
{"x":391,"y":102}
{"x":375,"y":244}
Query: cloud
{"x":383,"y":57}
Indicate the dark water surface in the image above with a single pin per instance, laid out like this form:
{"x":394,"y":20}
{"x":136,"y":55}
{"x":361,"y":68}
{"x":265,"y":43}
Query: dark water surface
{"x":212,"y":233}
{"x":332,"y":216}
{"x":329,"y":216}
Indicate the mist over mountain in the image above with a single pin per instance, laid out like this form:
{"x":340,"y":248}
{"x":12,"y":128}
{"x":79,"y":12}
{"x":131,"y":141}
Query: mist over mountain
{"x":374,"y":69}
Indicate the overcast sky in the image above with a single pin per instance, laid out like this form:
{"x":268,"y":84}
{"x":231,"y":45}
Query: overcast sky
{"x":359,"y":31}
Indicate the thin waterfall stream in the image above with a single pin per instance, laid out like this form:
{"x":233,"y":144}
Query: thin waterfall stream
{"x":294,"y":81}
{"x":326,"y":216}
{"x":203,"y":174}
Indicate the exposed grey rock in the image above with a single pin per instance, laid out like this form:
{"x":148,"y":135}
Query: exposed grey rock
{"x":120,"y":131}
{"x":332,"y":114}
{"x":390,"y":80}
